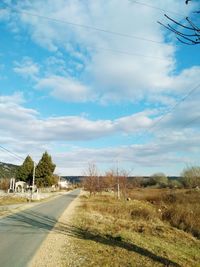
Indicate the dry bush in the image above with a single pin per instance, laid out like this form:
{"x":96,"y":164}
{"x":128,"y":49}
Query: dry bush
{"x":150,"y":195}
{"x":184,"y":217}
{"x":8,"y":200}
{"x":110,"y":206}
{"x":4,"y":184}
{"x":180,"y":207}
{"x":144,"y":213}
{"x":183,"y":211}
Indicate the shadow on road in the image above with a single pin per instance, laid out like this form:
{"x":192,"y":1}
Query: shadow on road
{"x":35,"y":222}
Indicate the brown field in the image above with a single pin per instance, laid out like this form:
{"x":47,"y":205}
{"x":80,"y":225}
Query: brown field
{"x":180,"y":207}
{"x":9,"y":200}
{"x":140,"y":232}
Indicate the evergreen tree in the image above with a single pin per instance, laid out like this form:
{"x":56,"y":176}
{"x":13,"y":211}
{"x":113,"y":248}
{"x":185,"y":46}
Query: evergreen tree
{"x":25,"y":171}
{"x":44,"y":171}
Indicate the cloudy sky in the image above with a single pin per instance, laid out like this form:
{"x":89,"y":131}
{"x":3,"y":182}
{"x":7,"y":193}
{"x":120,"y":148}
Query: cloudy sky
{"x":98,"y":81}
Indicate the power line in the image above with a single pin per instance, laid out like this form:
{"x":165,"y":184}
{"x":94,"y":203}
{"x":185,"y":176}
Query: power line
{"x":19,"y":157}
{"x":88,"y":27}
{"x":118,"y":51}
{"x":11,"y":153}
{"x":190,"y":122}
{"x":170,"y":110}
{"x":178,"y":103}
{"x":155,"y":7}
{"x":127,"y":53}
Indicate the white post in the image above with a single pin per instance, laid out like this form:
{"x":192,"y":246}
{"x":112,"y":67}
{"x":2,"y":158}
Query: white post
{"x":33,"y":182}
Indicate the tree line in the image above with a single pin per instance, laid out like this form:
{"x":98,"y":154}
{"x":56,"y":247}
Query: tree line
{"x":43,"y":171}
{"x":119,"y":181}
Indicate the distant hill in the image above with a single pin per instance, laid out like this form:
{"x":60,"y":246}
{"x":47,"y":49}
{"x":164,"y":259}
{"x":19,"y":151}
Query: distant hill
{"x":74,"y":179}
{"x":7,"y":170}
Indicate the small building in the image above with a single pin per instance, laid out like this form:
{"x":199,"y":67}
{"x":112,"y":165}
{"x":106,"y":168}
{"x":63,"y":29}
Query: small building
{"x":21,"y":187}
{"x":63,"y":184}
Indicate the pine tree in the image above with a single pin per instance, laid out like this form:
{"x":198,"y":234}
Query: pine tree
{"x":44,"y":171}
{"x":25,"y":171}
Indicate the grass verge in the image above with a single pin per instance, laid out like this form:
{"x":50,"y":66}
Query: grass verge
{"x":107,"y":232}
{"x":9,"y":200}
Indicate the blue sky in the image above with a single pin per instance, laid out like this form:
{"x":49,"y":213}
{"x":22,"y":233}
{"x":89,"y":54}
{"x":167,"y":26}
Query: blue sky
{"x":88,"y":95}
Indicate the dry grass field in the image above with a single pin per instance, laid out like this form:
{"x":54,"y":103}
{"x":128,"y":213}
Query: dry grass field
{"x":180,"y":207}
{"x":157,"y":227}
{"x":9,"y":200}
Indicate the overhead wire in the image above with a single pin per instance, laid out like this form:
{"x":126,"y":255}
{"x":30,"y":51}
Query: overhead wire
{"x":116,"y":51}
{"x":190,"y":122}
{"x":11,"y":153}
{"x":88,"y":27}
{"x":111,"y":50}
{"x":170,"y":110}
{"x":155,"y":7}
{"x":128,"y":53}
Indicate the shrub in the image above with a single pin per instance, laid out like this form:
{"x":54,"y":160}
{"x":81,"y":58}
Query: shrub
{"x":184,"y":217}
{"x":4,"y":184}
{"x":159,"y":179}
{"x":182,"y":210}
{"x":191,"y":177}
{"x":175,"y":184}
{"x":142,"y":213}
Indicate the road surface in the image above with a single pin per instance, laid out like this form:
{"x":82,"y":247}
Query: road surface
{"x":22,"y":233}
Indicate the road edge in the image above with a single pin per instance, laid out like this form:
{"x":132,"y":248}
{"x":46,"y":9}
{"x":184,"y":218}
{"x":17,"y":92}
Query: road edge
{"x":52,"y":248}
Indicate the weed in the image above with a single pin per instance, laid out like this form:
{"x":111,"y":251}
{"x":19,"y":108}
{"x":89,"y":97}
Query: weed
{"x":131,"y":233}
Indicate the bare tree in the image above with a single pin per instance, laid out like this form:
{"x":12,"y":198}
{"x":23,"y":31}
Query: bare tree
{"x":187,"y":34}
{"x":109,"y":180}
{"x":116,"y":180}
{"x":91,"y":182}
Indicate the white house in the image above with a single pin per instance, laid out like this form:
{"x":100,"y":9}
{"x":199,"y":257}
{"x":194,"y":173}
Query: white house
{"x":63,"y":184}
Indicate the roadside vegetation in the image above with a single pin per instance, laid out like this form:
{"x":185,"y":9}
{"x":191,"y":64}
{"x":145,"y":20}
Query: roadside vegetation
{"x":112,"y":232}
{"x":44,"y":176}
{"x":152,"y":222}
{"x":180,"y":207}
{"x":44,"y":172}
{"x":8,"y":200}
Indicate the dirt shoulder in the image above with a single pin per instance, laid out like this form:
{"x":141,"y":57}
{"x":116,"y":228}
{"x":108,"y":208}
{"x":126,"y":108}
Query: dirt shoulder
{"x":51,"y":251}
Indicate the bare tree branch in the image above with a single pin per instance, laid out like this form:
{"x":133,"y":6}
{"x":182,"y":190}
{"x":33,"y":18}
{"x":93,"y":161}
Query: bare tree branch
{"x":190,"y":33}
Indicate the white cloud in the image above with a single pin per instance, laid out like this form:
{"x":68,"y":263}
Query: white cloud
{"x":25,"y":124}
{"x":16,"y":98}
{"x":114,"y":77}
{"x":23,"y":132}
{"x":66,"y":88}
{"x":27,"y":68}
{"x":139,"y":159}
{"x":4,"y":14}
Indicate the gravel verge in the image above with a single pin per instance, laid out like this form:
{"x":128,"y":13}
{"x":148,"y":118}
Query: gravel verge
{"x":51,"y":253}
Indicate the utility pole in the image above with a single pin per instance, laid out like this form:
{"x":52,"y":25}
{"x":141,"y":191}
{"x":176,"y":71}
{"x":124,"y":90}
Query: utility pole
{"x":33,"y":182}
{"x":118,"y":188}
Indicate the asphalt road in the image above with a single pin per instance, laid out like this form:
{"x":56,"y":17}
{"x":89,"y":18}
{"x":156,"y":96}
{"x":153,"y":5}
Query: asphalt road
{"x":22,"y":233}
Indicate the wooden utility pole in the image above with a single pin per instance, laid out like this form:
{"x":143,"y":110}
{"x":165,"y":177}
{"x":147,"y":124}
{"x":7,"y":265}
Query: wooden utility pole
{"x":118,"y":187}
